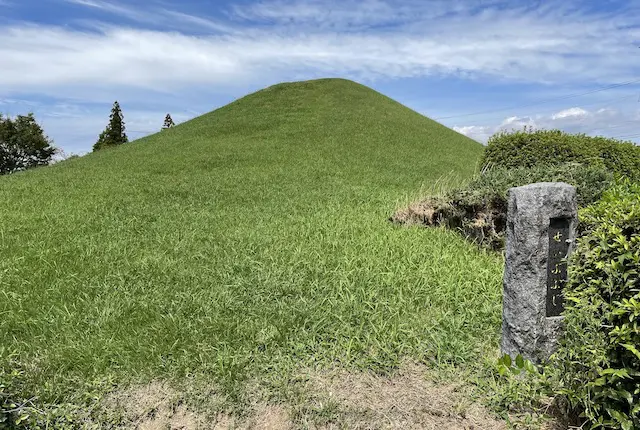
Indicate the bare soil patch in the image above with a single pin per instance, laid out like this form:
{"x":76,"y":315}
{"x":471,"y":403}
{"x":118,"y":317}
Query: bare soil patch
{"x":359,"y":400}
{"x":158,"y":406}
{"x":406,"y":400}
{"x":155,"y":406}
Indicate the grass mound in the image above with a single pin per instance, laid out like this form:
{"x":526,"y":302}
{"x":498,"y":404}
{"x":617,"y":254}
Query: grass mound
{"x":243,"y":243}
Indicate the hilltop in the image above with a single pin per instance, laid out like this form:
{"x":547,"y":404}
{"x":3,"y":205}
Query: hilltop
{"x":328,"y":121}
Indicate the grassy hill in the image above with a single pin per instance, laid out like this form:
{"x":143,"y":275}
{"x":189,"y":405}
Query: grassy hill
{"x":242,"y":244}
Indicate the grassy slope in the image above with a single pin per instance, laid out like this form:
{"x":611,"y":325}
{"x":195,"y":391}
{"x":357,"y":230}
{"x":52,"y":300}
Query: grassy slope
{"x":244,"y":242}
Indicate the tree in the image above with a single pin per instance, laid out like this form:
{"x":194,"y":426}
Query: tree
{"x":168,"y":122}
{"x":114,"y":134}
{"x":23,"y":144}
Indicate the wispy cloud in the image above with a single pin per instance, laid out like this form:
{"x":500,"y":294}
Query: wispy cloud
{"x":8,"y":102}
{"x":155,"y":15}
{"x":350,"y":13}
{"x":109,"y":7}
{"x":356,"y":14}
{"x":542,"y":45}
{"x":198,"y":21}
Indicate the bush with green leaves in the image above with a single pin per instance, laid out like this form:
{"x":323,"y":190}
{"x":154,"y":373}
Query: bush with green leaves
{"x":598,"y":361}
{"x":494,"y":184}
{"x":479,"y":209}
{"x":528,"y":148}
{"x":486,"y":197}
{"x":623,"y":158}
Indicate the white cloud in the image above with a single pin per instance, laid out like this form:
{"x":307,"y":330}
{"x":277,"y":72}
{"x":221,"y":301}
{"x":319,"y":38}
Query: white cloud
{"x":574,"y":112}
{"x":517,"y":122}
{"x":481,"y":133}
{"x":605,"y":122}
{"x":118,"y":57}
{"x":500,"y":43}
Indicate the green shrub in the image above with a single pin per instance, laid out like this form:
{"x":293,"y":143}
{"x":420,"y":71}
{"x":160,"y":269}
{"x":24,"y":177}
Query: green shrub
{"x":494,"y":184}
{"x":528,"y":148}
{"x":620,"y":157}
{"x":598,"y":361}
{"x":479,"y":210}
{"x":482,"y":204}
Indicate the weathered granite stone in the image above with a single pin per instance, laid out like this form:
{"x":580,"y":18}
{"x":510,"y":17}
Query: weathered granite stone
{"x":530,"y":325}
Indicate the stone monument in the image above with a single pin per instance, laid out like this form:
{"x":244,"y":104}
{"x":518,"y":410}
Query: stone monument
{"x":541,"y":225}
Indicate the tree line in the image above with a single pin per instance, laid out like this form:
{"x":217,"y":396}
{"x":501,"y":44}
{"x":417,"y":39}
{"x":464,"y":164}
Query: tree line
{"x":24,"y":144}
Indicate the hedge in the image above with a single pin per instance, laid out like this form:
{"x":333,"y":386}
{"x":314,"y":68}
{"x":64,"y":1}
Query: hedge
{"x":598,"y":360}
{"x":528,"y":148}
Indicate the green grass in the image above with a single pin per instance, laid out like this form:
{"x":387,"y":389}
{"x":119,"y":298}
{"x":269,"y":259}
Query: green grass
{"x":243,"y":244}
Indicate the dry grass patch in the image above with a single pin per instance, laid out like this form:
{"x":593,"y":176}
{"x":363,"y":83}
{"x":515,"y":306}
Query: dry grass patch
{"x":406,"y":400}
{"x":480,"y":222}
{"x":268,"y":417}
{"x":326,"y":400}
{"x":155,"y":406}
{"x":431,"y":211}
{"x":158,"y":406}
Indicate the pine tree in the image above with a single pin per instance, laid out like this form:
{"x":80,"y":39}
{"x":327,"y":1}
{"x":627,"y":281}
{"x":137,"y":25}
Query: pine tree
{"x":168,"y":122}
{"x":114,"y":134}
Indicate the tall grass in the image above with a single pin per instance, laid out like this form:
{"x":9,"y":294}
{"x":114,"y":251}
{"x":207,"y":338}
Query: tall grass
{"x":244,"y":243}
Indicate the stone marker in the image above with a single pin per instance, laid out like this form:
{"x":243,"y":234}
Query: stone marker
{"x":541,"y":225}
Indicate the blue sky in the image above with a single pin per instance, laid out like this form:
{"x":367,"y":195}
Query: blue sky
{"x":477,"y":66}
